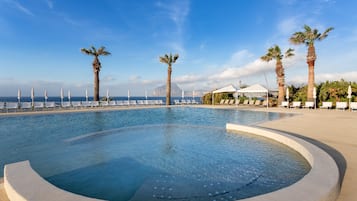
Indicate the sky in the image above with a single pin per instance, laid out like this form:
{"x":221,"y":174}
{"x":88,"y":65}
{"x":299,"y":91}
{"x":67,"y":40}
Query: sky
{"x":219,"y":43}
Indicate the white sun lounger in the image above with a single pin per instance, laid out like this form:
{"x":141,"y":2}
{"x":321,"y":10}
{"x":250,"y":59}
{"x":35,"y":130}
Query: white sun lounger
{"x":104,"y":103}
{"x":326,"y":105}
{"x":341,"y":105}
{"x":285,"y":104}
{"x":11,"y":106}
{"x":2,"y":106}
{"x":353,"y":106}
{"x":296,"y":104}
{"x":50,"y":105}
{"x":309,"y":104}
{"x":76,"y":104}
{"x":38,"y":105}
{"x":66,"y":104}
{"x":26,"y":105}
{"x":112,"y":103}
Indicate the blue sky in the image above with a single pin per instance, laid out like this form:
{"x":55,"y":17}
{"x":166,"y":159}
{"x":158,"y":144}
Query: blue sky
{"x":219,"y":43}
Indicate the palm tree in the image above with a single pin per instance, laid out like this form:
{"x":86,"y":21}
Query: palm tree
{"x":96,"y":66}
{"x":275,"y":53}
{"x":169,"y":60}
{"x":308,"y":37}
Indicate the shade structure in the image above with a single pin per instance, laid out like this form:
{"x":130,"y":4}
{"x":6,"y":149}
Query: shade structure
{"x":255,"y":90}
{"x":287,"y":94}
{"x":229,"y":89}
{"x":107,"y":94}
{"x":146,"y":94}
{"x":314,"y":95}
{"x":182,"y":94}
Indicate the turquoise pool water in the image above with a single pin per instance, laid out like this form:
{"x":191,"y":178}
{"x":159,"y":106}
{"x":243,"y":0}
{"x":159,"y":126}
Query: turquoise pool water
{"x":151,"y":154}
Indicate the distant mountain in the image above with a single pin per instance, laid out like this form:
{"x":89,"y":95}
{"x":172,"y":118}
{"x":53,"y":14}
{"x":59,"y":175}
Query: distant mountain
{"x":176,"y":91}
{"x":161,"y":90}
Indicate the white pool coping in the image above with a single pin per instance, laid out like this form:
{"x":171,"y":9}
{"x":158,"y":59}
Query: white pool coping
{"x":321,"y":183}
{"x":22,"y":183}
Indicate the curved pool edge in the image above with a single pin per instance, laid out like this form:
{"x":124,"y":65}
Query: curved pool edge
{"x":321,"y":183}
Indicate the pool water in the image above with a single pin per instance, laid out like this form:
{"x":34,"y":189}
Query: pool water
{"x":152,"y":154}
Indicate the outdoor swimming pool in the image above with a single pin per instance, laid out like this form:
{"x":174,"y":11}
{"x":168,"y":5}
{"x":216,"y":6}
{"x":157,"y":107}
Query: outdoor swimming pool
{"x":151,"y":154}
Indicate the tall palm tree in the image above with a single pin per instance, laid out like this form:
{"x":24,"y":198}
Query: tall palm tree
{"x":96,"y":66}
{"x":308,"y":37}
{"x":275,"y":53}
{"x":169,"y":60}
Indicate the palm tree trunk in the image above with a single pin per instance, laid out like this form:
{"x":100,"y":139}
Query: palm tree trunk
{"x":311,"y":57}
{"x":168,"y":86}
{"x":96,"y":86}
{"x":96,"y":69}
{"x":281,"y":81}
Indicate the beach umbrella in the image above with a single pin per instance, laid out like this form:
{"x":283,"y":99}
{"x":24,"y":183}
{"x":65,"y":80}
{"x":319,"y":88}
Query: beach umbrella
{"x":86,"y":95}
{"x":46,"y":97}
{"x":19,"y":95}
{"x":32,"y":95}
{"x":128,"y":97}
{"x":349,"y":95}
{"x":146,"y":94}
{"x":69,"y":95}
{"x":183,"y":94}
{"x":107,"y":95}
{"x":62,"y":96}
{"x":314,"y":96}
{"x":287,"y":94}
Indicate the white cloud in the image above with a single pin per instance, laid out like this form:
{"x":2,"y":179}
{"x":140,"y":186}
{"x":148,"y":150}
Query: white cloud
{"x":19,"y":7}
{"x":289,"y":25}
{"x":302,"y":79}
{"x":49,"y":4}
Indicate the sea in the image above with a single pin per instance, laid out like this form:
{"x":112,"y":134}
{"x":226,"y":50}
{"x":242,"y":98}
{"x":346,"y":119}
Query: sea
{"x":57,"y":99}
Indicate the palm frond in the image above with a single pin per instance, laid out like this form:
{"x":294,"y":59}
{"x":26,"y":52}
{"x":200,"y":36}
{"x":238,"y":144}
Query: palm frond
{"x":325,"y":33}
{"x":289,"y":53}
{"x":176,"y":56}
{"x":87,"y":51}
{"x":298,"y":38}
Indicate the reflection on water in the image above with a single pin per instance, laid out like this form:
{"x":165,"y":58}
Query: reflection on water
{"x":121,"y":155}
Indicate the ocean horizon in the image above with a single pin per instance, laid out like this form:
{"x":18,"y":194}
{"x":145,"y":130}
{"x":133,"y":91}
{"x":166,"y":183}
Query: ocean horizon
{"x":57,"y":99}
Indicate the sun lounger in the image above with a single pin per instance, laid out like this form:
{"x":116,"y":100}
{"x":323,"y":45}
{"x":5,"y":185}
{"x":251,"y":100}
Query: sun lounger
{"x":326,"y":105}
{"x":341,"y":105}
{"x":251,"y":102}
{"x":245,"y":102}
{"x":11,"y":106}
{"x":309,"y":104}
{"x":257,"y":102}
{"x":285,"y":104}
{"x":104,"y":103}
{"x":50,"y":105}
{"x":120,"y":103}
{"x":231,"y":102}
{"x":2,"y":106}
{"x":94,"y":103}
{"x":177,"y":102}
{"x":265,"y":103}
{"x":86,"y":104}
{"x":296,"y":104}
{"x":194,"y":101}
{"x":222,"y":101}
{"x":38,"y":105}
{"x":66,"y":104}
{"x":76,"y":104}
{"x":26,"y":106}
{"x":112,"y":103}
{"x":353,"y":106}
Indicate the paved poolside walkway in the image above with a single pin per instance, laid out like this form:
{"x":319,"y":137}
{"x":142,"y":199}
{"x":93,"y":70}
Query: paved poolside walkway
{"x":337,"y":129}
